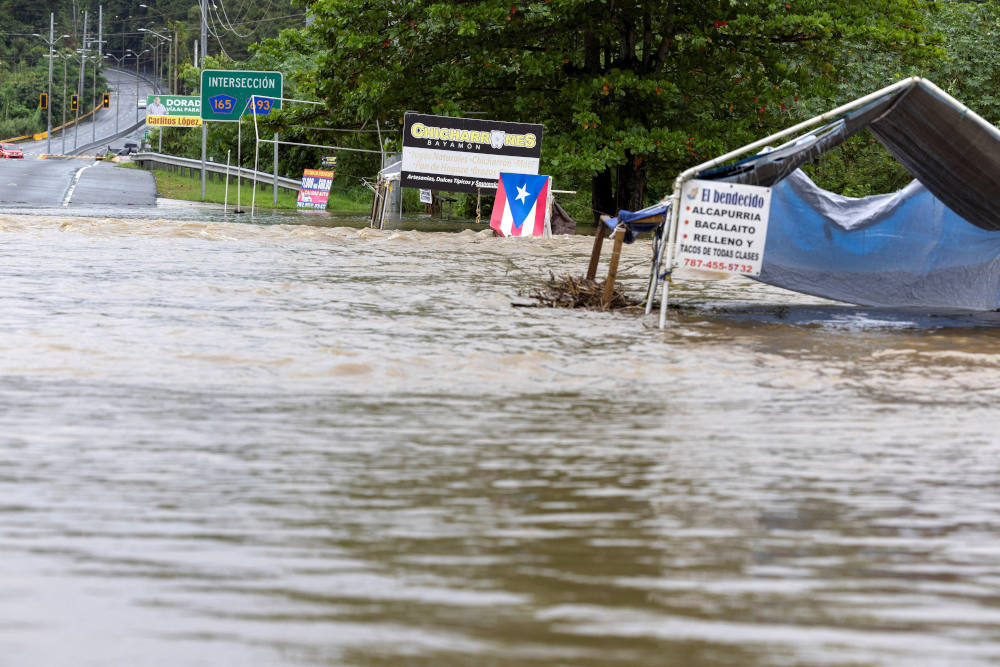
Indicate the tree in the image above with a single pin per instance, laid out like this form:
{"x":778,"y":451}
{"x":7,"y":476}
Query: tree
{"x":630,"y":91}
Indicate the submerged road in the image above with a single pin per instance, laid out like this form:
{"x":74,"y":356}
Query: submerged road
{"x":75,"y":182}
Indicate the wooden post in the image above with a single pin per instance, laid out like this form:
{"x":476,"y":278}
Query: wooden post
{"x":595,"y":254}
{"x":616,"y":253}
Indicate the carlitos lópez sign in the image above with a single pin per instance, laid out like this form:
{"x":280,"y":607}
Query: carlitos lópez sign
{"x":173,"y":110}
{"x":465,"y":154}
{"x":723,"y":226}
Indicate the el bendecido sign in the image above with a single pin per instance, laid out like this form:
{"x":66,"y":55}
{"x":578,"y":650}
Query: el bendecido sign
{"x":465,"y":154}
{"x":723,"y":226}
{"x":226,"y":94}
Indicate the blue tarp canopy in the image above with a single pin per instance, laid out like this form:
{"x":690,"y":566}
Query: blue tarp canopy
{"x":933,"y":244}
{"x":638,"y":222}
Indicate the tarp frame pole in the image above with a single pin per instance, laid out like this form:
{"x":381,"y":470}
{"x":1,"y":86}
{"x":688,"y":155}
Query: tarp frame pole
{"x":659,"y":249}
{"x":675,"y":201}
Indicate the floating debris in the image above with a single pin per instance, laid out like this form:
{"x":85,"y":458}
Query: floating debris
{"x":579,"y":292}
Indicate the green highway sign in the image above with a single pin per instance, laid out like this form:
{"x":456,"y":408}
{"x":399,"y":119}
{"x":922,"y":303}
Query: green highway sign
{"x":226,"y":94}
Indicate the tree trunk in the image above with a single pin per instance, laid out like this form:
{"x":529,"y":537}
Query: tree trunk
{"x":631,"y":190}
{"x":602,"y":198}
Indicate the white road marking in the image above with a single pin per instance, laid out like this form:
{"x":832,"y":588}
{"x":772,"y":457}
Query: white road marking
{"x":76,"y":180}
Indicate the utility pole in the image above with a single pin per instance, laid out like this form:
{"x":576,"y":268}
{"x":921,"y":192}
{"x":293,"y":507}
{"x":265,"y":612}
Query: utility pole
{"x":48,"y":124}
{"x":83,"y":69}
{"x":97,"y":61}
{"x":204,"y":124}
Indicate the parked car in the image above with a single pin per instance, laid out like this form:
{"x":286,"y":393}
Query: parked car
{"x":10,"y":151}
{"x":128,"y":149}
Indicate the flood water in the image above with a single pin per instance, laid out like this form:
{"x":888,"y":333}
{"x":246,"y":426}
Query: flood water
{"x":225,"y":443}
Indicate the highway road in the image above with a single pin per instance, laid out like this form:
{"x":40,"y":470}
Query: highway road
{"x":57,"y":182}
{"x":125,"y":89}
{"x":76,"y":182}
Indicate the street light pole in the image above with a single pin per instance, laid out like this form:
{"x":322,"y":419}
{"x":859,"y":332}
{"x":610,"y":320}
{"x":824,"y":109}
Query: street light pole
{"x":65,"y":58}
{"x":118,"y":87}
{"x":97,"y":61}
{"x":83,"y":69}
{"x":170,"y":49}
{"x":137,"y":84}
{"x":51,"y":42}
{"x":156,"y":47}
{"x":137,"y":80}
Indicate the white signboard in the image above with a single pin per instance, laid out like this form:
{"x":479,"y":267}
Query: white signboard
{"x":723,"y":226}
{"x":426,"y":197}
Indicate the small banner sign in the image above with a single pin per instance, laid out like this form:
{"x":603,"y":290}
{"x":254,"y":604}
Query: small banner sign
{"x":465,"y":154}
{"x":521,"y":206}
{"x":173,"y":111}
{"x":426,"y":197}
{"x":314,"y":190}
{"x":723,"y":226}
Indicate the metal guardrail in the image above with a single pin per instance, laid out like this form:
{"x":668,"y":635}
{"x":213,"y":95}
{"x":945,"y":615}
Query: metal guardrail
{"x":160,"y":161}
{"x":106,"y":141}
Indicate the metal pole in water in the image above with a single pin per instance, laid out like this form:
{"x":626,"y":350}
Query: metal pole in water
{"x":225,"y":201}
{"x":274,"y":188}
{"x":239,"y":165}
{"x":201,"y":67}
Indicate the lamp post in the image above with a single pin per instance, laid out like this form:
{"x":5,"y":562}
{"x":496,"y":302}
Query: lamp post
{"x":137,"y":80}
{"x":76,"y":124}
{"x":51,"y":42}
{"x":65,"y":59}
{"x":97,"y":61}
{"x":171,"y":69}
{"x":93,"y":95}
{"x":83,"y":71}
{"x":118,"y":87}
{"x":156,"y":48}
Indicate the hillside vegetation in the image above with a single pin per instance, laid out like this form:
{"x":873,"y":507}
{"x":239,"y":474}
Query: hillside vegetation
{"x":630,"y":92}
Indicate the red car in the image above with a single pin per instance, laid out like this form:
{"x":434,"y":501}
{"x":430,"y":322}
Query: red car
{"x":10,"y":151}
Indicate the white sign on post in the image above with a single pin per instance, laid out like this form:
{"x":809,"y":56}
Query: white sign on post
{"x":723,"y":226}
{"x":426,"y":197}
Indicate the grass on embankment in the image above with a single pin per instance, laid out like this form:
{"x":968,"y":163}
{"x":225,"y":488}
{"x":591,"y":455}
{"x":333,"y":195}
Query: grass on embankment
{"x":187,"y":188}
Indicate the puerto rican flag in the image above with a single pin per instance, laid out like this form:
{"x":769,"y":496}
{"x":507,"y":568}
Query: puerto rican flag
{"x":521,"y":207}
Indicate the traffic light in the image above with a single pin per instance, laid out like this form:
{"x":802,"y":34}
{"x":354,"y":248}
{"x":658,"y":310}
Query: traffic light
{"x":74,"y":102}
{"x":106,"y":101}
{"x":43,"y":101}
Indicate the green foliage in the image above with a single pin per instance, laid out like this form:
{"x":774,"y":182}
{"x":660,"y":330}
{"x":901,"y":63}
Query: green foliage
{"x":630,"y":93}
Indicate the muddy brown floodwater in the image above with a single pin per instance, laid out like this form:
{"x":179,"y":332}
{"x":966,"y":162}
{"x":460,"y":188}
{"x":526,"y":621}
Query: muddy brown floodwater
{"x":231,"y":443}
